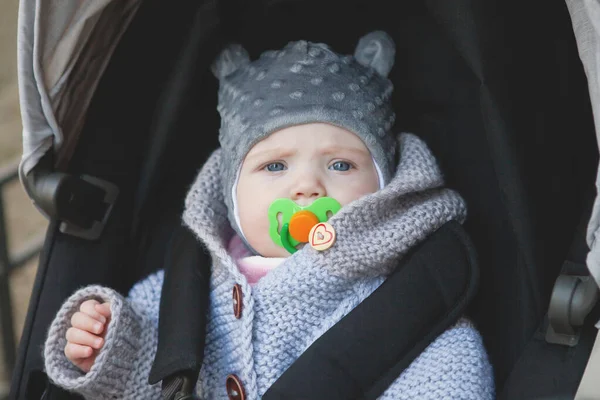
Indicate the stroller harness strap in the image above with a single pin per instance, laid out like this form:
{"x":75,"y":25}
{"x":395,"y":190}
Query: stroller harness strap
{"x":360,"y":356}
{"x":187,"y":273}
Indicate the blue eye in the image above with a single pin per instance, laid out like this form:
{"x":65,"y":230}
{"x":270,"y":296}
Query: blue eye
{"x":275,"y":167}
{"x":340,"y":166}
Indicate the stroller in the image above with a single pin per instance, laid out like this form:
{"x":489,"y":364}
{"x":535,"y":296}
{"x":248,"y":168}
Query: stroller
{"x":119,"y":113}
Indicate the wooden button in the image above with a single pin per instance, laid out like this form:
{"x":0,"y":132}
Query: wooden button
{"x":235,"y":390}
{"x":237,"y":301}
{"x":322,"y":236}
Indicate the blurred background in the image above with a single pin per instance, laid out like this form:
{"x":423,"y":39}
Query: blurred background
{"x":23,"y":225}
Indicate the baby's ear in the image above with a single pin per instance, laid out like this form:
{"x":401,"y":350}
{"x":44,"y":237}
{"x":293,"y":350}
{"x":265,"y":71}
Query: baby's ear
{"x":229,"y":60}
{"x":376,"y":49}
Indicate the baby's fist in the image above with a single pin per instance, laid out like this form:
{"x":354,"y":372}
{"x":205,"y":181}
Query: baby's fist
{"x":85,"y":337}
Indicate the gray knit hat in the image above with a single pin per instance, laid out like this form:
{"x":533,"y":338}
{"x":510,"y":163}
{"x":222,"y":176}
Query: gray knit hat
{"x":305,"y":83}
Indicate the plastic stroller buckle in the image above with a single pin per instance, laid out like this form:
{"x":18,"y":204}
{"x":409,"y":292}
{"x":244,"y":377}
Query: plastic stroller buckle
{"x":178,"y":387}
{"x":87,"y":209}
{"x":572,"y":299}
{"x":82,"y":203}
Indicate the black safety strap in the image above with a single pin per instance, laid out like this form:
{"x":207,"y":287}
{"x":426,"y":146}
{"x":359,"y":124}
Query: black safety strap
{"x":367,"y":350}
{"x":183,"y":309}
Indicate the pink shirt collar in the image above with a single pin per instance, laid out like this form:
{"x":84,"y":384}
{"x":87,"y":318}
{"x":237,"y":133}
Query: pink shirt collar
{"x":252,"y":267}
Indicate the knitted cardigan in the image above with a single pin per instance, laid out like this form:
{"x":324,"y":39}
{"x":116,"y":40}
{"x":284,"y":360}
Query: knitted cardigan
{"x":289,"y":308}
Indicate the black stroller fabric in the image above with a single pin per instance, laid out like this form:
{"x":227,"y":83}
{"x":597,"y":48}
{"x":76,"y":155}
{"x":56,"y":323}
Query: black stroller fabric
{"x":494,"y":87}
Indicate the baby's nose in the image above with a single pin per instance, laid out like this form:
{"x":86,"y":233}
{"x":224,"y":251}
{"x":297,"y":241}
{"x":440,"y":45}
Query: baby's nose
{"x":307,"y":190}
{"x":300,"y":196}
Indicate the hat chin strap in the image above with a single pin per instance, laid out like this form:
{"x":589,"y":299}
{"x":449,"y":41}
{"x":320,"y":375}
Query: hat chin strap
{"x":379,"y":174}
{"x":236,"y":209}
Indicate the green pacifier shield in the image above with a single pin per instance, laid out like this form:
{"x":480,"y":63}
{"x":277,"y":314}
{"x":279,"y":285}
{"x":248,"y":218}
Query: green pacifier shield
{"x":288,"y":209}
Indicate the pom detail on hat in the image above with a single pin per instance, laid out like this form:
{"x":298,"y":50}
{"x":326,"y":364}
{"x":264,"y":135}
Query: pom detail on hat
{"x":377,"y":50}
{"x":230,"y":60}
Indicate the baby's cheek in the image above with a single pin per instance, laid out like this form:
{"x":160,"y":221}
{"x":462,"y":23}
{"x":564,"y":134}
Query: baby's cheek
{"x":264,"y":245}
{"x":353,"y":191}
{"x":256,"y":230}
{"x":253,"y":226}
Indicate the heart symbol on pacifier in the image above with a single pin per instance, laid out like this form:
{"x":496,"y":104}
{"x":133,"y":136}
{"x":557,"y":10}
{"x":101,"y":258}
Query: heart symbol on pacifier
{"x":322,"y":236}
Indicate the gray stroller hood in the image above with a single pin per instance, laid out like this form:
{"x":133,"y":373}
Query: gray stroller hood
{"x":63,"y":49}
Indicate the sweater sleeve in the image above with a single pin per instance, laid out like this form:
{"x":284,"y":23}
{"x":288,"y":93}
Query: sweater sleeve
{"x":454,"y":366}
{"x":122,"y":366}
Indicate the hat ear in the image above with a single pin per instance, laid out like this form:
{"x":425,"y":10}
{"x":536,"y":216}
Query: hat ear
{"x":229,"y":60}
{"x":377,"y":50}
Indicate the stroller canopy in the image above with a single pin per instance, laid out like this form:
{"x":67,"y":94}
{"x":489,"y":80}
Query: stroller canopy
{"x":63,"y":49}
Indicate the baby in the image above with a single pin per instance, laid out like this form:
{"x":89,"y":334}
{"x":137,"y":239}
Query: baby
{"x":306,"y":208}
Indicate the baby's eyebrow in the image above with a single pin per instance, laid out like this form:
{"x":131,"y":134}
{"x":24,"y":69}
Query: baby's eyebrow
{"x":338,"y":149}
{"x":271,"y":154}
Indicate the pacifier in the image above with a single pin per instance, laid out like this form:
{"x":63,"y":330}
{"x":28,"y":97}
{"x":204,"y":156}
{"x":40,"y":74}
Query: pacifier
{"x":302,"y":224}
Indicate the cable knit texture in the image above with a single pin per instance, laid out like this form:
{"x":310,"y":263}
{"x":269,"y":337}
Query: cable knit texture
{"x":289,"y":308}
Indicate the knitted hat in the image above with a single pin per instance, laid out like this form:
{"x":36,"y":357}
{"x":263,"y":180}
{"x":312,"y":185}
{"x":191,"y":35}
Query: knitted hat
{"x":305,"y":83}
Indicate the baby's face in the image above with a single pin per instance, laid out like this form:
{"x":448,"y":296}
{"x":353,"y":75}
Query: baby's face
{"x":301,"y":163}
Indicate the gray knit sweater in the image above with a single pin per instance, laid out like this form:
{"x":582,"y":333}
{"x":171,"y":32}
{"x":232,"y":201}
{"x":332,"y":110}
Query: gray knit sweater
{"x":291,"y":306}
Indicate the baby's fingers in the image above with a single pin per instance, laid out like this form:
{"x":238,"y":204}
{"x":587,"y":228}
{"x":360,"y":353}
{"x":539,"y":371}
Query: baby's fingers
{"x":89,"y":307}
{"x":103,"y":309}
{"x":85,"y":322}
{"x":75,"y":351}
{"x":79,"y":336}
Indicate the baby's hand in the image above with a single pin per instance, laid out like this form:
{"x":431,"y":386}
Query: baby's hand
{"x":85,"y":337}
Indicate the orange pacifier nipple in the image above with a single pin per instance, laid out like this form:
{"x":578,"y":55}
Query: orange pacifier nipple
{"x":301,"y":223}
